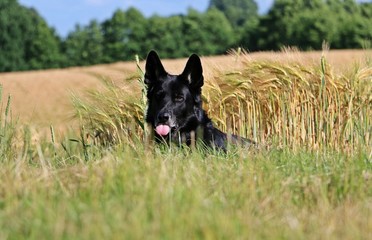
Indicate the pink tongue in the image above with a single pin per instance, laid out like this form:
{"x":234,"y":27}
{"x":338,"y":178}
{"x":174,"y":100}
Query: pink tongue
{"x":162,"y":130}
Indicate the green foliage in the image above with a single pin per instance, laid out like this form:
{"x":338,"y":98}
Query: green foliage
{"x":202,"y":35}
{"x":42,"y":47}
{"x":26,"y":42}
{"x":128,"y":193}
{"x":306,"y":24}
{"x":7,"y":130}
{"x":165,"y":34}
{"x":355,"y":26}
{"x":123,"y":35}
{"x":84,"y":45}
{"x":238,"y":12}
{"x":13,"y":24}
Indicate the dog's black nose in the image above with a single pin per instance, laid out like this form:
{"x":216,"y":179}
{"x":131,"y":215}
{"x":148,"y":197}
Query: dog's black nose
{"x":163,"y":117}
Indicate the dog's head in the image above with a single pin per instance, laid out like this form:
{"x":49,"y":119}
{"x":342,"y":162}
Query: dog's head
{"x":174,"y":101}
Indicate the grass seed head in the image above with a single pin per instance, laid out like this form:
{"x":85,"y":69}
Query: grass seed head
{"x":270,"y":101}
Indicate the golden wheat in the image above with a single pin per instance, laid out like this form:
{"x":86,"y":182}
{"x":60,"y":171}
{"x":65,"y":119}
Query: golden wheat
{"x":287,"y":104}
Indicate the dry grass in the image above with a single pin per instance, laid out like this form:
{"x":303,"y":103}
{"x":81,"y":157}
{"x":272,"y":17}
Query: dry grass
{"x":41,"y":98}
{"x":287,"y":103}
{"x":293,"y":104}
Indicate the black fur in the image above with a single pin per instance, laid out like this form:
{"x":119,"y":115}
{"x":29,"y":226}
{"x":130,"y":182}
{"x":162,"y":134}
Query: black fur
{"x":175,"y":101}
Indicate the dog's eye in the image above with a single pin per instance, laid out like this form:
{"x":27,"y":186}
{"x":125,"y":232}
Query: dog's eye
{"x":178,"y":98}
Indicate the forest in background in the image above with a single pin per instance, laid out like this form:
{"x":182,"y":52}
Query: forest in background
{"x":27,"y":42}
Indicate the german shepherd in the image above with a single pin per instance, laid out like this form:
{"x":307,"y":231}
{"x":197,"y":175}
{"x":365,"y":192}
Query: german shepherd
{"x":174,"y":110}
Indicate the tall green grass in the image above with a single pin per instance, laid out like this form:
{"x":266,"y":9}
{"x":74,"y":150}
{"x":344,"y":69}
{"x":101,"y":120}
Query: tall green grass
{"x":7,"y":129}
{"x":128,"y":194}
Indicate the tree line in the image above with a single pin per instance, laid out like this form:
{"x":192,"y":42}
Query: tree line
{"x":27,"y":42}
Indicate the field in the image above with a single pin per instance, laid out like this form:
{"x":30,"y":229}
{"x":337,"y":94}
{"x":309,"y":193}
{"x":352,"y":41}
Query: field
{"x":310,"y":177}
{"x":43,"y":98}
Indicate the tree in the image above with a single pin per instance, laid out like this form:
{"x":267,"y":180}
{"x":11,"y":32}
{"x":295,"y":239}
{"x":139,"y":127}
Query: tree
{"x":14,"y":28}
{"x":136,"y":29}
{"x":207,"y":33}
{"x":353,"y":22}
{"x":165,"y":34}
{"x":248,"y":38}
{"x":238,"y":12}
{"x":219,"y":35}
{"x":84,"y":46}
{"x":124,"y":34}
{"x":313,"y":25}
{"x":26,"y":41}
{"x":365,"y":38}
{"x":276,"y":26}
{"x":307,"y":23}
{"x":42,"y":46}
{"x":115,"y":36}
{"x":9,"y":53}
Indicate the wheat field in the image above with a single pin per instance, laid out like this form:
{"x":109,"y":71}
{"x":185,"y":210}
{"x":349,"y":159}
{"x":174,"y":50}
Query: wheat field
{"x":282,"y":102}
{"x":43,"y":98}
{"x":310,"y":178}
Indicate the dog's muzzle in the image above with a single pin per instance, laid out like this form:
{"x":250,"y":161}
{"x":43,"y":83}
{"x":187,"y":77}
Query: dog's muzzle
{"x":164,"y":124}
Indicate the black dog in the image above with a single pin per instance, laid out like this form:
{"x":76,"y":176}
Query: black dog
{"x":175,"y":106}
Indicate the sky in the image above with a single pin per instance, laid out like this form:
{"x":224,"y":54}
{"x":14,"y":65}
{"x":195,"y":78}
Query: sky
{"x":63,"y":15}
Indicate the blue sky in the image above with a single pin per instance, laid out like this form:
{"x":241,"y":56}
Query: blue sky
{"x":63,"y":15}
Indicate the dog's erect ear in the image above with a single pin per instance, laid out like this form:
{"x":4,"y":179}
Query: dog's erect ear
{"x":194,"y":72}
{"x":154,"y":68}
